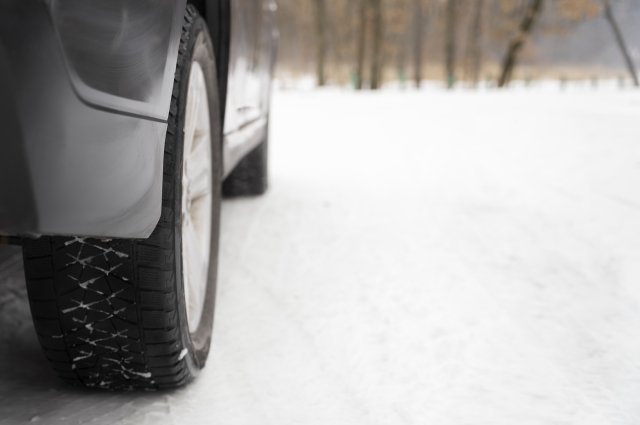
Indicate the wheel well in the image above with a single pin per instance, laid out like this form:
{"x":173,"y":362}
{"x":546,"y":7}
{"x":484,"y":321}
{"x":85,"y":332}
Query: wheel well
{"x":217,"y":13}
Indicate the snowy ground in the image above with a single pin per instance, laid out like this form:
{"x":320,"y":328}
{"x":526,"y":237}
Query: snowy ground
{"x":421,"y":259}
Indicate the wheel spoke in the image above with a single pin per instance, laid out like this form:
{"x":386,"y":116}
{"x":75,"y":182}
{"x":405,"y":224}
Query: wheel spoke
{"x":196,"y":265}
{"x":199,"y":174}
{"x":197,"y":204}
{"x":191,"y":118}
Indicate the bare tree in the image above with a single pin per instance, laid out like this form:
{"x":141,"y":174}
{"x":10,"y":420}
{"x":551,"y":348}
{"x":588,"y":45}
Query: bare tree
{"x":534,"y":9}
{"x":418,"y":38}
{"x":474,"y":43}
{"x":376,"y":54}
{"x":450,"y":42}
{"x":608,"y":12}
{"x":362,"y":44}
{"x":321,"y":40}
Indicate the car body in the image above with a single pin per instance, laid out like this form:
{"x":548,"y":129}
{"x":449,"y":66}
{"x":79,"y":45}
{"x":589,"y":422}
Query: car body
{"x":125,"y":122}
{"x":87,"y":89}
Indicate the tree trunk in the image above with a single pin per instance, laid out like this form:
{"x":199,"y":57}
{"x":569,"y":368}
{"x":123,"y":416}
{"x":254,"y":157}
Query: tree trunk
{"x":475,"y":56}
{"x":418,"y":38}
{"x":321,"y":40}
{"x":517,"y":43}
{"x":362,"y":45}
{"x":450,"y":43}
{"x":376,"y":54}
{"x":608,"y":12}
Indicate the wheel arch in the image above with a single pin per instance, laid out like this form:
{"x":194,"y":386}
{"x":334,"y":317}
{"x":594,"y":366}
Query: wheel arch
{"x":217,"y":13}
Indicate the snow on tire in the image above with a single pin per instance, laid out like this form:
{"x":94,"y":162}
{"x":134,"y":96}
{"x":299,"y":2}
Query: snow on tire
{"x":111,"y":314}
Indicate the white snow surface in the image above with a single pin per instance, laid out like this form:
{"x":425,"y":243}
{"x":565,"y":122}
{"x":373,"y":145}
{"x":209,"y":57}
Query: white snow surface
{"x":421,"y":258}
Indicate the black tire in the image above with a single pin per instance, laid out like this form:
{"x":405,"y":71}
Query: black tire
{"x":111,"y":314}
{"x":250,"y":177}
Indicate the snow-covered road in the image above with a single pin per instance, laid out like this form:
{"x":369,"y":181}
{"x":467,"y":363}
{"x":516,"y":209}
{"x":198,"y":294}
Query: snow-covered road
{"x":421,"y":259}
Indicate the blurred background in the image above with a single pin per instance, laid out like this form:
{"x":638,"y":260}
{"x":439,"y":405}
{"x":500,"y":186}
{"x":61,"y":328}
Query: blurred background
{"x":367,"y":44}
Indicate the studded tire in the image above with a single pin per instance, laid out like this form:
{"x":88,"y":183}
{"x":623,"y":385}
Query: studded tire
{"x":111,"y":314}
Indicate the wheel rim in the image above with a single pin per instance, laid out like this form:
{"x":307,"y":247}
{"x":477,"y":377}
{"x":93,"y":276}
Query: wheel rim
{"x":197,"y":182}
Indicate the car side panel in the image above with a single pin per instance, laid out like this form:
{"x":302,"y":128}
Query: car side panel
{"x":121,"y":54}
{"x":16,"y":187}
{"x":86,"y":104}
{"x":250,"y":71}
{"x":80,"y":166}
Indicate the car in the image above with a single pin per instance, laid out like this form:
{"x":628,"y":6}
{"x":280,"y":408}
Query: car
{"x":125,"y":123}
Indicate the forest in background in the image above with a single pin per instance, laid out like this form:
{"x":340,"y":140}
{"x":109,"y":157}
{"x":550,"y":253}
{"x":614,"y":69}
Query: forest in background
{"x":368,"y":42}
